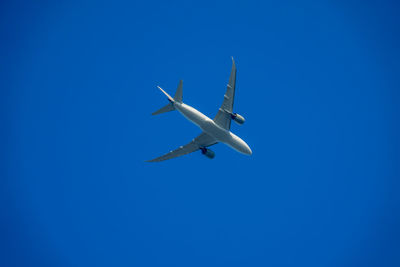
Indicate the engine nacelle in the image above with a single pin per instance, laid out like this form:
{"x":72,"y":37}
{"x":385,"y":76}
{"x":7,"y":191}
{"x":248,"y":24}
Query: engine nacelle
{"x":207,"y":152}
{"x":237,"y":118}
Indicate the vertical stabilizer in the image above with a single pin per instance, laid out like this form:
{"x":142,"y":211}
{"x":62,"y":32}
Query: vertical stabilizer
{"x":177,"y":98}
{"x":165,"y":93}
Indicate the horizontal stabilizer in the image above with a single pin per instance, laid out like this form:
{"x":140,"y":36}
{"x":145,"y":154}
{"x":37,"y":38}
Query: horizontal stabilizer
{"x":164,"y":109}
{"x":178,"y":94}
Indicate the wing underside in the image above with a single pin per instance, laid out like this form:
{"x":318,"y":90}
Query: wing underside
{"x":203,"y":140}
{"x":223,"y":117}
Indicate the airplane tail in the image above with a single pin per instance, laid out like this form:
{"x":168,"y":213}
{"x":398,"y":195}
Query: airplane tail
{"x":170,"y":106}
{"x":178,"y":94}
{"x":164,"y":109}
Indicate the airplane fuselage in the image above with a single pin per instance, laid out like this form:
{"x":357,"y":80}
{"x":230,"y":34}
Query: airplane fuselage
{"x":210,"y":127}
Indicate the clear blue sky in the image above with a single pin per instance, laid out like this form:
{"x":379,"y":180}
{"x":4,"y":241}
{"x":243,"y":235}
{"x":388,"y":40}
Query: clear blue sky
{"x":318,"y":83}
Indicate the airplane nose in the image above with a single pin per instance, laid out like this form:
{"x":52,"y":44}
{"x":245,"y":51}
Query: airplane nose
{"x":239,"y":145}
{"x":248,"y":150}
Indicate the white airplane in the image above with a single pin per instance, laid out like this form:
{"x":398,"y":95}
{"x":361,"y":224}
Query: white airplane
{"x":214,"y":131}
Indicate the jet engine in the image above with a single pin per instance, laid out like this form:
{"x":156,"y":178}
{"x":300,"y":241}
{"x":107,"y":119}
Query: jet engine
{"x":237,"y":118}
{"x":207,"y":152}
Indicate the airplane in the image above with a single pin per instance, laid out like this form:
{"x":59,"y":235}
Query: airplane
{"x":214,"y":131}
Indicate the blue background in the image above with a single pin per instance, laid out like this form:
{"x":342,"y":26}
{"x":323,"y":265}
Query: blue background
{"x":318,"y":83}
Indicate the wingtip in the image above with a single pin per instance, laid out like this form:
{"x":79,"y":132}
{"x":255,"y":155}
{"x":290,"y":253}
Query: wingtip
{"x":233,"y":63}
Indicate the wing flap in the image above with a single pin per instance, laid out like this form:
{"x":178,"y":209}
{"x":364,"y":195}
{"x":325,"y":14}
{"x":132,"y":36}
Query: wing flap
{"x":203,"y":140}
{"x":223,"y":117}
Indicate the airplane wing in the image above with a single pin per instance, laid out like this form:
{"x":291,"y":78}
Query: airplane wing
{"x":223,"y":117}
{"x":203,"y":140}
